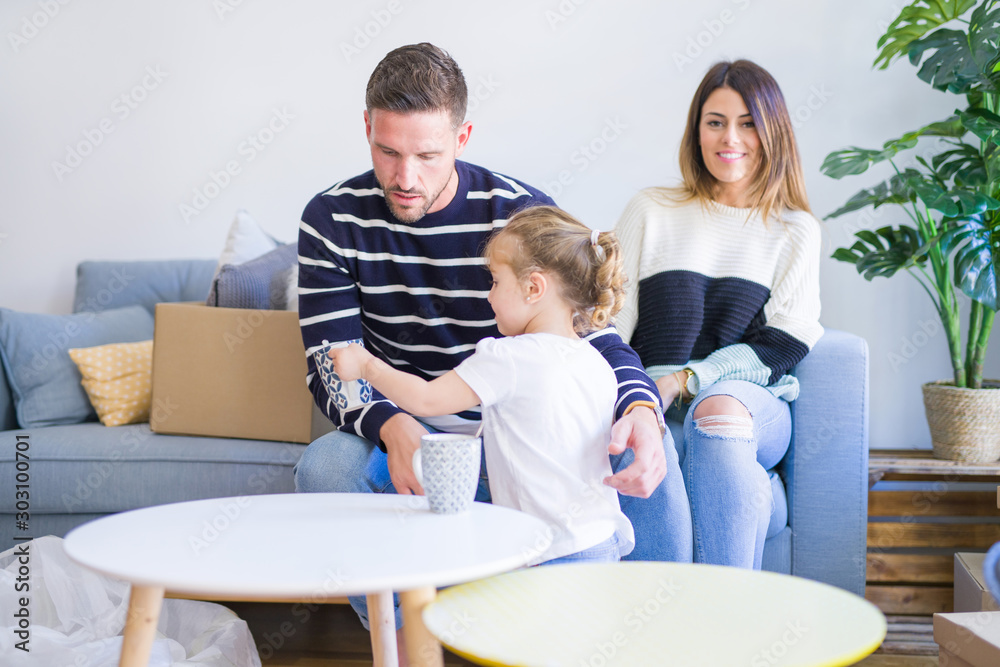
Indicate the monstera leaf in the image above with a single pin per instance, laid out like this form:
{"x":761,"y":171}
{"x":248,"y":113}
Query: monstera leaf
{"x":964,"y":164}
{"x":953,"y":202}
{"x":854,"y":160}
{"x":914,"y":22}
{"x":895,"y":190}
{"x":961,"y":62}
{"x":975,"y":259}
{"x":983,"y":123}
{"x":884,"y":252}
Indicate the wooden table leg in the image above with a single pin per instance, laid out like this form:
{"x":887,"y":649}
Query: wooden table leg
{"x":422,"y":647}
{"x":382,"y":624}
{"x":140,"y":625}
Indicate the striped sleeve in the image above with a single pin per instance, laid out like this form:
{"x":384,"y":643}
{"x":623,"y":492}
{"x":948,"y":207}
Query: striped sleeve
{"x":633,"y":382}
{"x":330,"y":311}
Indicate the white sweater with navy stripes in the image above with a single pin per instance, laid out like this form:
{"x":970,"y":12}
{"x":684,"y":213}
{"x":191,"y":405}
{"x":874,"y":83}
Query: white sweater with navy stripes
{"x":416,"y":292}
{"x":714,"y":289}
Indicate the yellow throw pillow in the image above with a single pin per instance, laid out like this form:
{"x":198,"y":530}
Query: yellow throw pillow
{"x":117,"y":379}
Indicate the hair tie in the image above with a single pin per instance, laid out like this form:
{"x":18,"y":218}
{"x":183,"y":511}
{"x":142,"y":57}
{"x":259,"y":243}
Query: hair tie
{"x":598,"y":250}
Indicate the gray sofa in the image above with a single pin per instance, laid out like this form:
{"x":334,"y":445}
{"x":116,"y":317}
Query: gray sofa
{"x":78,"y":472}
{"x":83,"y":471}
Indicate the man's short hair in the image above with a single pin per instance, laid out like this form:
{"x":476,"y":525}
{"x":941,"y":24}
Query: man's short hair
{"x":418,"y":77}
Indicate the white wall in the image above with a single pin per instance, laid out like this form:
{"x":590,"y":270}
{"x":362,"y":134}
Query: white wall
{"x":547,"y":78}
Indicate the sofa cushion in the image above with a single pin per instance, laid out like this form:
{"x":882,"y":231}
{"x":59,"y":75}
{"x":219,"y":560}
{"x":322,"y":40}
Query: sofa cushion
{"x":117,"y":379}
{"x":43,"y":379}
{"x":8,"y":418}
{"x":779,"y":512}
{"x":778,"y":552}
{"x":262,"y":284}
{"x":104,"y":285}
{"x":90,"y":468}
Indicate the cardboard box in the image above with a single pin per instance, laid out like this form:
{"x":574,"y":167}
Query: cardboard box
{"x":971,"y":593}
{"x":970,"y":639}
{"x":230,"y":372}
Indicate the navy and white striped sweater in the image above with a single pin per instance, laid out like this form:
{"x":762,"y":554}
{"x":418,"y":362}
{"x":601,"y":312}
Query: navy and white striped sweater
{"x":714,"y":289}
{"x":415,"y":292}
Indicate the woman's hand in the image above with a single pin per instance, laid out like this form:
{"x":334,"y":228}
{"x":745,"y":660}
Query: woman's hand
{"x":669,"y":389}
{"x":349,"y":362}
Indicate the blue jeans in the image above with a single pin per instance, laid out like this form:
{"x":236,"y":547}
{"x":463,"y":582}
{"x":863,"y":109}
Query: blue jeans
{"x":343,"y":463}
{"x":605,"y":552}
{"x":726,"y":476}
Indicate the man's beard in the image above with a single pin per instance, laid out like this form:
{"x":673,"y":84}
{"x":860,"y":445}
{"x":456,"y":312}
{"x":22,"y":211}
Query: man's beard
{"x":410,"y":214}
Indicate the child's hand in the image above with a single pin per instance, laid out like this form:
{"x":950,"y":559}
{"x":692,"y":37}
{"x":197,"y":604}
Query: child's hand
{"x":349,"y":362}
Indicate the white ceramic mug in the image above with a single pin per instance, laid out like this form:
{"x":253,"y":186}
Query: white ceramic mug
{"x":345,"y":395}
{"x":447,"y":466}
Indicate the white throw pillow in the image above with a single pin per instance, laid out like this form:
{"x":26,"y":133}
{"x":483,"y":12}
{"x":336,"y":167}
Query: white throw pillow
{"x":244,"y":242}
{"x":292,"y":293}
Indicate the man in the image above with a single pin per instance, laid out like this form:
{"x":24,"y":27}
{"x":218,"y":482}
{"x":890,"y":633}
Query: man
{"x":393,"y":257}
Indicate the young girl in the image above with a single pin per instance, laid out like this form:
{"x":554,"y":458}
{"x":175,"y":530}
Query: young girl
{"x":547,"y":396}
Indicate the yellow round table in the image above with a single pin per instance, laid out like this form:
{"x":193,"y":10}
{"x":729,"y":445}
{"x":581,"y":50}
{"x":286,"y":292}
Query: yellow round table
{"x":637,"y":613}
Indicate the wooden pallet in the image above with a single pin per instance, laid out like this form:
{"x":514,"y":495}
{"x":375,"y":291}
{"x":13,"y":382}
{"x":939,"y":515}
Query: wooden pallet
{"x":913,"y":535}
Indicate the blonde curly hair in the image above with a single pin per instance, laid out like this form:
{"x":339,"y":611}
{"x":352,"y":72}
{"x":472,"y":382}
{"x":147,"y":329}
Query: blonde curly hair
{"x":550,"y":240}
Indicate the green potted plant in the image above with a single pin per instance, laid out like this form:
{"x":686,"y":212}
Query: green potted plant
{"x":951,"y":192}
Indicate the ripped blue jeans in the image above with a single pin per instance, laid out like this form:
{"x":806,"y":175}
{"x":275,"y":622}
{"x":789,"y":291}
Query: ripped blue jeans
{"x":724,"y":462}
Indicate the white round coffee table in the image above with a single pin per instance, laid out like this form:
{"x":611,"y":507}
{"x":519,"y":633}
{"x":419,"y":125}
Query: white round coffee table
{"x":313,"y":547}
{"x":634,"y":614}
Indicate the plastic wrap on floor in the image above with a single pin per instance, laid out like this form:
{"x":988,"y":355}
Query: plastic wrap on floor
{"x":75,"y":617}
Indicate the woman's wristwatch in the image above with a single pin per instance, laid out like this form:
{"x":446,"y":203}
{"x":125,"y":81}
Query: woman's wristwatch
{"x":688,"y":385}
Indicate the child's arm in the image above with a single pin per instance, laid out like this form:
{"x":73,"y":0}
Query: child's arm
{"x":445,"y":395}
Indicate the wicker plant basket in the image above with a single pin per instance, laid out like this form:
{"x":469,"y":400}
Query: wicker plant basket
{"x":964,"y":423}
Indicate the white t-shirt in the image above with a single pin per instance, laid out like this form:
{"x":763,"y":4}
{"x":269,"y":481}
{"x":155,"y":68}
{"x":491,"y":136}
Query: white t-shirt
{"x":548,"y":404}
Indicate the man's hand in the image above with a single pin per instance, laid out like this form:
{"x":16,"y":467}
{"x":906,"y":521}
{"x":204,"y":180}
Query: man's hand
{"x":638,"y":431}
{"x":401,"y":435}
{"x":349,"y":362}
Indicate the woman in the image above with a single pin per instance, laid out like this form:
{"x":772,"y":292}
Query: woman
{"x":724,"y":301}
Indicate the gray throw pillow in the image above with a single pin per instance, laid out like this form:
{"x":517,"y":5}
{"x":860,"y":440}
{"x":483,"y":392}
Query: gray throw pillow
{"x":260,"y":284}
{"x":44,"y":381}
